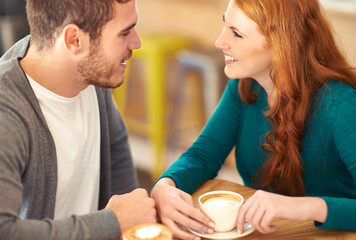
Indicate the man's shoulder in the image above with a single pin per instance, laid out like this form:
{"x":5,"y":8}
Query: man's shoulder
{"x":18,"y":50}
{"x":15,"y":92}
{"x":9,"y":64}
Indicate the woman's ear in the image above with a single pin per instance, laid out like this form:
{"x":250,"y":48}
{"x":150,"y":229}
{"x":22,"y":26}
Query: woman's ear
{"x":74,"y":39}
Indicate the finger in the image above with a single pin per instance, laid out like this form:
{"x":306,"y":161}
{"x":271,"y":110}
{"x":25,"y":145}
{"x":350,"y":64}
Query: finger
{"x":251,"y":212}
{"x":248,"y":209}
{"x":192,"y":223}
{"x":242,"y":214}
{"x":197,"y":215}
{"x":266,"y":223}
{"x":241,"y":219}
{"x":178,"y":233}
{"x":178,"y":216}
{"x":256,"y":220}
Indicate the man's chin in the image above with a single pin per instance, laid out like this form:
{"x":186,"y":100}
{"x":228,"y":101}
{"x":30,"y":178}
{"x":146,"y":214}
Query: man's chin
{"x":110,"y":84}
{"x":118,"y":85}
{"x":116,"y":82}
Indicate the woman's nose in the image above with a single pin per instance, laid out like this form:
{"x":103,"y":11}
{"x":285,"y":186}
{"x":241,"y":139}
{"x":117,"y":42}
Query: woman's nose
{"x":220,"y":42}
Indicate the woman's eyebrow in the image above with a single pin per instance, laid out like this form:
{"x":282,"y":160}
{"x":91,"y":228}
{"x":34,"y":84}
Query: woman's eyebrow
{"x":232,"y":27}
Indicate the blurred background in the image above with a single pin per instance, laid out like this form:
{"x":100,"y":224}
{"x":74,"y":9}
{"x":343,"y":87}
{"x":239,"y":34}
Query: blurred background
{"x":174,"y":81}
{"x":13,"y":23}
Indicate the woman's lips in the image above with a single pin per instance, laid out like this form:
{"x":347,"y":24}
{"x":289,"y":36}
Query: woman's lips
{"x":229,"y":59}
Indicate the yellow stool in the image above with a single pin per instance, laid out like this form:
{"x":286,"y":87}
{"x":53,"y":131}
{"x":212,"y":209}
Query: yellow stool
{"x":155,"y":51}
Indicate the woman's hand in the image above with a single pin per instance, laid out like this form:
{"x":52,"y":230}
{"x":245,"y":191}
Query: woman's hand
{"x":263,"y":207}
{"x":176,"y":207}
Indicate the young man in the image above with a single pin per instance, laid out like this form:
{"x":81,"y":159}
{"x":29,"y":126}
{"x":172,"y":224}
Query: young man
{"x":65,"y":167}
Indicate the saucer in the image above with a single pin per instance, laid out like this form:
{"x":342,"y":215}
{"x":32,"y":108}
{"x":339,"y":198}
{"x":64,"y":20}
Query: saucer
{"x":233,"y":234}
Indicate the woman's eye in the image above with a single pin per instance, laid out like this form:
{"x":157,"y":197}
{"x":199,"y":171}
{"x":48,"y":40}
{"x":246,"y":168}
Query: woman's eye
{"x":237,"y":35}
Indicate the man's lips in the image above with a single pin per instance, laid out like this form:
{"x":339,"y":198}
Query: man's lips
{"x":126,"y":58}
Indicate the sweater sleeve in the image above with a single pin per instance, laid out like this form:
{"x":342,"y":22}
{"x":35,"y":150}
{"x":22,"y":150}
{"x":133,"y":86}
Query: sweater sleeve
{"x":342,"y":211}
{"x":123,"y":175}
{"x":205,"y":157}
{"x":13,"y":169}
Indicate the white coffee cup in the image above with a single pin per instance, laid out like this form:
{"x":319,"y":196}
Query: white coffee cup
{"x":222,"y":207}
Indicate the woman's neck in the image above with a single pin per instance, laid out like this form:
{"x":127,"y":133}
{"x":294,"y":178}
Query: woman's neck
{"x":268,"y":86}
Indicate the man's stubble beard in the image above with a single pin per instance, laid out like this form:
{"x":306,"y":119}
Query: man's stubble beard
{"x":96,"y":70}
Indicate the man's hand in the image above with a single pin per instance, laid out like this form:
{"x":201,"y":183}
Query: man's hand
{"x":133,"y":208}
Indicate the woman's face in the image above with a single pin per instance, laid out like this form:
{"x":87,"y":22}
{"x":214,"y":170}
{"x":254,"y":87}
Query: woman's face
{"x":245,"y":48}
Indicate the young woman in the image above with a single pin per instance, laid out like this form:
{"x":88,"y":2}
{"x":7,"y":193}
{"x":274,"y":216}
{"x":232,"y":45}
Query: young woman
{"x":290,"y":110}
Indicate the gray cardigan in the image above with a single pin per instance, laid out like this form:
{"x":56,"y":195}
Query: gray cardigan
{"x":28,"y":164}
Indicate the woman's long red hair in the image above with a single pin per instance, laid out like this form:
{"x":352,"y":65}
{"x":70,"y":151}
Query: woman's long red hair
{"x":305,"y":57}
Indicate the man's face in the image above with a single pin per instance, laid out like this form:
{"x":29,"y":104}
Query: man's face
{"x":106,"y":62}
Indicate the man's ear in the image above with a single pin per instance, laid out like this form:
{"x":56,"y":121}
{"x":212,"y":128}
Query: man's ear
{"x":74,"y":39}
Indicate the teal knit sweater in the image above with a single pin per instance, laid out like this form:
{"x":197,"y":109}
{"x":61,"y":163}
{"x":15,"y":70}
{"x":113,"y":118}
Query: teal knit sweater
{"x":328,"y":148}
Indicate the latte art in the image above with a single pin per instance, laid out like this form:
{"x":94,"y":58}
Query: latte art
{"x":220,"y":202}
{"x":148,"y":231}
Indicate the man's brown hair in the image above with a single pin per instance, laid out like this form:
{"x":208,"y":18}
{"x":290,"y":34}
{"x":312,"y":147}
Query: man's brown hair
{"x":47,"y":18}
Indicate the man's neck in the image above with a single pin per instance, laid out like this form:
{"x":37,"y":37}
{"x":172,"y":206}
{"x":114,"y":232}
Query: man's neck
{"x":53,"y":71}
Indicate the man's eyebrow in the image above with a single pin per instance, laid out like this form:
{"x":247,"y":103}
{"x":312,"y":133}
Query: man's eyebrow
{"x":128,"y":28}
{"x":223,"y":17}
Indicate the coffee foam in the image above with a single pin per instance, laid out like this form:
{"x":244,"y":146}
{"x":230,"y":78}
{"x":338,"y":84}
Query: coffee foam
{"x":221,"y":200}
{"x":149,"y":231}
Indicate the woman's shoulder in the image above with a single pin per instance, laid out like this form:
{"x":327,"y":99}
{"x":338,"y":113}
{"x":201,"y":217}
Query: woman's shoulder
{"x":336,"y":96}
{"x":336,"y":91}
{"x":338,"y":86}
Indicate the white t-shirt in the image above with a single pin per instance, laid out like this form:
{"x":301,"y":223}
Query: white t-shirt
{"x":75,"y":126}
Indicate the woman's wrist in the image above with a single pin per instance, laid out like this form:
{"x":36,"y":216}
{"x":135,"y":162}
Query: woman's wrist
{"x":162,"y":181}
{"x":317,"y":208}
{"x":168,"y":181}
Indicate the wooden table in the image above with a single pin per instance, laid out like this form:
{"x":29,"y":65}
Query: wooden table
{"x":286,"y":229}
